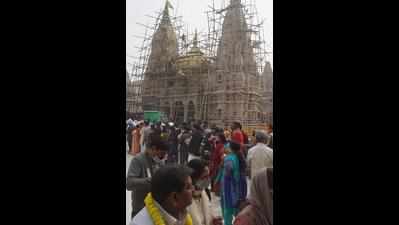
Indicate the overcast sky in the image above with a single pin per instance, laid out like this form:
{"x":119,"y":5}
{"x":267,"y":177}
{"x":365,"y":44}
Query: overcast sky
{"x":193,"y":14}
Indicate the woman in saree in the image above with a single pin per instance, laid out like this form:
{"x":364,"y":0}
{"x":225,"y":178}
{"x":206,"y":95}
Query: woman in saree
{"x":260,"y":208}
{"x":233,"y":184}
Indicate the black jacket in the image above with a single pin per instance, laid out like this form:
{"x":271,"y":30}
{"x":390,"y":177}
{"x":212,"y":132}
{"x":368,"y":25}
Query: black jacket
{"x":195,"y":143}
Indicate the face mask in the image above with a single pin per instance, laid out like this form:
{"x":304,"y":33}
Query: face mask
{"x":197,"y":193}
{"x":202,"y":184}
{"x":156,"y":159}
{"x":160,"y":161}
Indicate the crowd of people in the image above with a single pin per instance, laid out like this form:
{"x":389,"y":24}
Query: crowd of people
{"x":179,"y":172}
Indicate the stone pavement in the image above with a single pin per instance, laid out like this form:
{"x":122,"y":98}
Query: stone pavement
{"x":128,"y":193}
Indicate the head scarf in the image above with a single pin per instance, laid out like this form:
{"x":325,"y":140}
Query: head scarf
{"x":261,"y":198}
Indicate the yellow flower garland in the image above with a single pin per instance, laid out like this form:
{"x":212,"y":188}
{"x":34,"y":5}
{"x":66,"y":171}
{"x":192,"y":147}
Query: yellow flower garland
{"x":156,"y":215}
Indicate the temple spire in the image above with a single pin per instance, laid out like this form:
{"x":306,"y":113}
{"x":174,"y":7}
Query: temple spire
{"x":235,"y":2}
{"x":163,"y":44}
{"x":168,"y":5}
{"x":195,"y":49}
{"x":235,"y":49}
{"x":165,"y":14}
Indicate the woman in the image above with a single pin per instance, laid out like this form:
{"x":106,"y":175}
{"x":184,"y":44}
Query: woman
{"x":200,"y":208}
{"x":260,"y":208}
{"x":217,"y":155}
{"x":233,"y":184}
{"x":136,"y":140}
{"x":236,"y":134}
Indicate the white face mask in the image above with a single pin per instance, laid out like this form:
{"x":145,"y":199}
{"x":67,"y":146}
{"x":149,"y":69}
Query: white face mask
{"x":202,"y":184}
{"x":156,"y":159}
{"x":160,"y":161}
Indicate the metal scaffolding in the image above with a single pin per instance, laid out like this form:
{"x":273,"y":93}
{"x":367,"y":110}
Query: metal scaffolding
{"x":209,"y":41}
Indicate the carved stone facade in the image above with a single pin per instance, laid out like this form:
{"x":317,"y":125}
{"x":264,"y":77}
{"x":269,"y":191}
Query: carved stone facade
{"x":190,"y":87}
{"x":133,"y":98}
{"x":267,"y":92}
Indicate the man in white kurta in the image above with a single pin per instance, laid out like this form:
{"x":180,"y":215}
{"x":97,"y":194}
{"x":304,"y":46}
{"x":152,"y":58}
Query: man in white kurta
{"x":144,"y":218}
{"x":259,"y":156}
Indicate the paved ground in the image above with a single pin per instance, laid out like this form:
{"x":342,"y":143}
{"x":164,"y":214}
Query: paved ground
{"x":128,"y":193}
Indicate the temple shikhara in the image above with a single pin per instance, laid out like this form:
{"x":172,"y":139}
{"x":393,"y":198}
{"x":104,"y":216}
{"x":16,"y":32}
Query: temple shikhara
{"x":219,"y":77}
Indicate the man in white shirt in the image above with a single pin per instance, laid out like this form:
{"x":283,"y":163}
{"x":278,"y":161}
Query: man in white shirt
{"x":171,"y":190}
{"x":259,"y":156}
{"x":144,"y":134}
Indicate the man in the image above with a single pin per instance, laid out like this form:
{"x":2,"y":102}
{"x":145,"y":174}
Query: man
{"x":172,"y":141}
{"x":204,"y":125}
{"x":155,"y":131}
{"x":206,"y":144}
{"x":184,"y":140}
{"x":141,"y":170}
{"x":171,"y":194}
{"x":129,"y":131}
{"x":195,"y":143}
{"x":270,"y":133}
{"x":164,"y":132}
{"x":259,"y":156}
{"x":145,"y":132}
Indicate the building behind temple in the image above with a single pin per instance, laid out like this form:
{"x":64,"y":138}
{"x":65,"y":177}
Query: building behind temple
{"x":194,"y":86}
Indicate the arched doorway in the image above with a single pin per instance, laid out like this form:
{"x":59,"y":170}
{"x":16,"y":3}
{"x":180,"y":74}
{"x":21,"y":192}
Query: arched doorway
{"x":191,"y":112}
{"x":179,"y":112}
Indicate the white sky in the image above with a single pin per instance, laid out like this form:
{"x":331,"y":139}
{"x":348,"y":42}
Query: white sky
{"x":193,"y":14}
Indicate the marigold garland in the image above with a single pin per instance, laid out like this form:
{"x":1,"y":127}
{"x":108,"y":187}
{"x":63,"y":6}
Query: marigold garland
{"x":156,"y":215}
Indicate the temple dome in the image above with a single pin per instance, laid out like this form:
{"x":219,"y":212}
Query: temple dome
{"x":193,"y":59}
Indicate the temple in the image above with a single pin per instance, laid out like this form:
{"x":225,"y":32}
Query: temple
{"x":192,"y":87}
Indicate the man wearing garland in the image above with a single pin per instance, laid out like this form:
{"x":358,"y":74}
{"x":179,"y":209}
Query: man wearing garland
{"x":171,"y":193}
